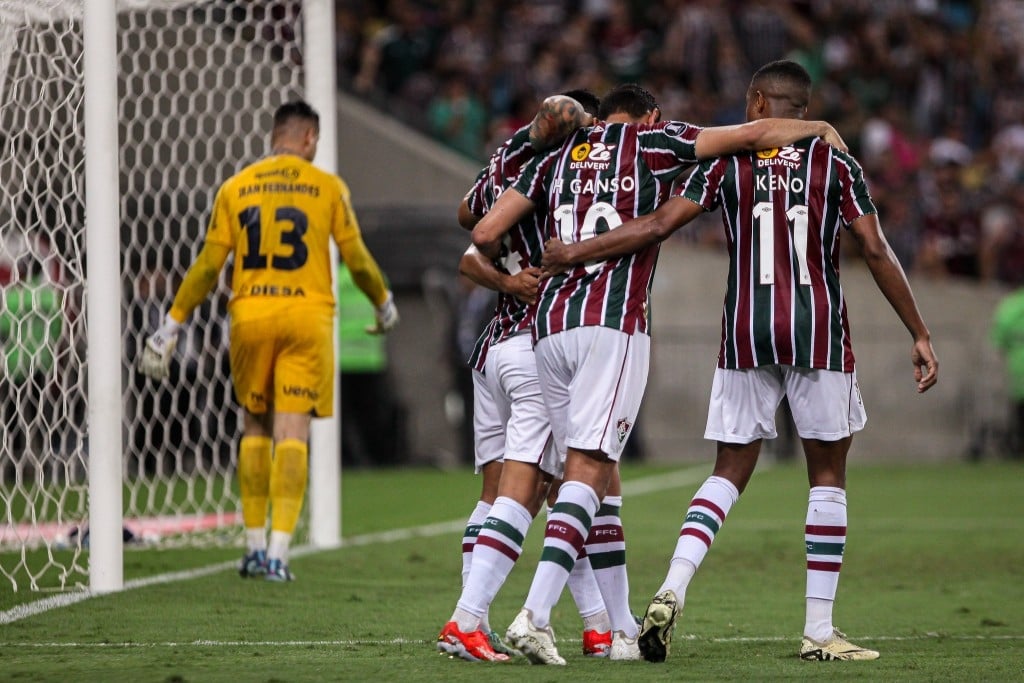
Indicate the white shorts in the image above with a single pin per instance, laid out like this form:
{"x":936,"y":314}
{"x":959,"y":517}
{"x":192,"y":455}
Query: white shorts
{"x":593,"y":380}
{"x":826,"y":404}
{"x":510,"y":420}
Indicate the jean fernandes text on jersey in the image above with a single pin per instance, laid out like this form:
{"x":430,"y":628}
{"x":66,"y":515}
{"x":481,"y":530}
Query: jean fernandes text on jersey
{"x":280,"y":188}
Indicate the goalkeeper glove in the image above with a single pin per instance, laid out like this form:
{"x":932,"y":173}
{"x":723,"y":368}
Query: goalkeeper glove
{"x":156,"y":354}
{"x":387,"y":316}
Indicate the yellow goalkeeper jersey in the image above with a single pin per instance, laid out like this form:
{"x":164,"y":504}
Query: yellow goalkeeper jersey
{"x":278,"y":216}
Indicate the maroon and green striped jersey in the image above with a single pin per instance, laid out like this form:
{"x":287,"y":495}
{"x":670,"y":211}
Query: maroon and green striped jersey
{"x":522,"y":246}
{"x":600,"y":178}
{"x":782,"y":210}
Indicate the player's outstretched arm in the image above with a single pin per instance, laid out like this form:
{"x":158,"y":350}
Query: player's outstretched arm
{"x":557,"y":118}
{"x":482,"y":271}
{"x":510,"y":208}
{"x":631,"y":236}
{"x":762,"y":134}
{"x":892,"y":281}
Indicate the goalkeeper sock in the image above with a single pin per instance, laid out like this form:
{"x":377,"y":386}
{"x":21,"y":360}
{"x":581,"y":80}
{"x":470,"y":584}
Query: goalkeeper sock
{"x":704,"y":518}
{"x":279,"y":543}
{"x":825,"y":538}
{"x":256,"y":539}
{"x":254,"y":488}
{"x":288,"y":475}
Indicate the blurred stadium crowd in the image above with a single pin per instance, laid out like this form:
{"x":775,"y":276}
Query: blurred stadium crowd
{"x":927,"y":93}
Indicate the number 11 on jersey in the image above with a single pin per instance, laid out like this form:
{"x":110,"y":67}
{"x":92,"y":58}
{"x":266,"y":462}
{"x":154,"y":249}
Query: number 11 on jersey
{"x":764,"y":212}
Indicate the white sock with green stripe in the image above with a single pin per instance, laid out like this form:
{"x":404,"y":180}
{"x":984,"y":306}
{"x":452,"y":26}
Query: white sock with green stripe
{"x":825,"y":537}
{"x":606,"y":548}
{"x":704,"y":517}
{"x":498,"y":546}
{"x":567,"y":528}
{"x":476,"y":518}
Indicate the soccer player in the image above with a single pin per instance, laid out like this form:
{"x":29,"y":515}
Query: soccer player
{"x":514,"y":450}
{"x":592,"y":327}
{"x":278,"y":216}
{"x":784,"y":333}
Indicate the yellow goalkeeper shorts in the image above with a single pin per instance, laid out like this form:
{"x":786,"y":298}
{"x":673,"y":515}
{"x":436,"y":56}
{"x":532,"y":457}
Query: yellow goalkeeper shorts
{"x":283,"y":362}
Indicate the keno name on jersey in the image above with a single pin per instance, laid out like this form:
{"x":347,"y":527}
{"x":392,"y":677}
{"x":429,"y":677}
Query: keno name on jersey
{"x":772,"y":183}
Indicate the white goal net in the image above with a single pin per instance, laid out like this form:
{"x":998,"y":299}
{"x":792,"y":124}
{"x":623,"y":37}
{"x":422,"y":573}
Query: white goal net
{"x":197,"y":85}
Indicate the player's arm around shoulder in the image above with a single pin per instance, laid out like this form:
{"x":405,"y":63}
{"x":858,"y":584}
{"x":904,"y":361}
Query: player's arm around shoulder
{"x":558,"y":116}
{"x":630,"y":237}
{"x":762,"y":134}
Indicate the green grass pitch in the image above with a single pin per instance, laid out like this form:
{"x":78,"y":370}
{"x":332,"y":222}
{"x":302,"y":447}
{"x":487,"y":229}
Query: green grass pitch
{"x":933,"y":577}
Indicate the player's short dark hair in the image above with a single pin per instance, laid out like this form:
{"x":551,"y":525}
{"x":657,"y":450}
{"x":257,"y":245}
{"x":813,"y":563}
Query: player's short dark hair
{"x":784,"y":77}
{"x":628,"y":98}
{"x":296,"y":109}
{"x":591,"y":102}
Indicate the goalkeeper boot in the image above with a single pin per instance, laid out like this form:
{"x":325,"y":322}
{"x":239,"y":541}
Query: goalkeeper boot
{"x":596,"y":643}
{"x":538,"y":644}
{"x":658,"y":625}
{"x":253,"y":564}
{"x":837,"y":647}
{"x":278,"y":572}
{"x":473,"y":647}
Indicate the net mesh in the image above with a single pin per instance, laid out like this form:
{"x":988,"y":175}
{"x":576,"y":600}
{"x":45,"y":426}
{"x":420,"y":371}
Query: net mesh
{"x":197,"y":84}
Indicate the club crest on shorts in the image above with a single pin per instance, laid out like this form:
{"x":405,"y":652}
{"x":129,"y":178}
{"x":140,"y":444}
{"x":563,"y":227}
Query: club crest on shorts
{"x":622,"y":429}
{"x":856,"y":392}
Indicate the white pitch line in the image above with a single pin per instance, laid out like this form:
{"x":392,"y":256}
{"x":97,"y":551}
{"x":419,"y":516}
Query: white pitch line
{"x":637,"y":487}
{"x":412,"y":641}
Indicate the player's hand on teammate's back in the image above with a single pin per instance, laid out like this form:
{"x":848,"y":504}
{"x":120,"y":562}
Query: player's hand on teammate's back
{"x":156,"y":353}
{"x":524,"y":285}
{"x":387,"y":317}
{"x":836,"y":140}
{"x":555,"y":259}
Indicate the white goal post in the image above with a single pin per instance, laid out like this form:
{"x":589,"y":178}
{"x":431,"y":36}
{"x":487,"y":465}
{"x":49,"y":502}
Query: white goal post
{"x":118,"y":120}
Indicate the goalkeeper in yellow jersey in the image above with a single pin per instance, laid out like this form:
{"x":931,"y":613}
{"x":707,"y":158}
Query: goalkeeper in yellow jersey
{"x":277,"y":215}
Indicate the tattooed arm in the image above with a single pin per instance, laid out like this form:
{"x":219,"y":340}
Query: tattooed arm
{"x":558,"y":116}
{"x":762,"y":134}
